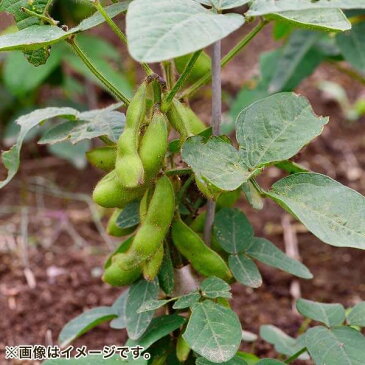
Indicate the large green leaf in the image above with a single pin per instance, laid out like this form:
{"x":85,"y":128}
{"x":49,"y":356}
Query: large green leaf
{"x":84,"y":323}
{"x":321,"y":19}
{"x":187,"y":300}
{"x":266,"y":252}
{"x":159,"y":328}
{"x":224,"y":4}
{"x":160,"y":33}
{"x":214,"y":287}
{"x":25,"y":20}
{"x":140,"y":292}
{"x":245,"y":270}
{"x":233,"y":230}
{"x":329,"y":314}
{"x":276,"y":128}
{"x":93,"y":123}
{"x":213,"y":331}
{"x":356,"y":317}
{"x":331,"y":211}
{"x":297,"y":47}
{"x":38,"y":36}
{"x":262,"y":7}
{"x":119,"y":305}
{"x":338,"y":346}
{"x":166,"y":275}
{"x":283,"y":343}
{"x":129,"y":216}
{"x":352,"y":47}
{"x":216,"y":161}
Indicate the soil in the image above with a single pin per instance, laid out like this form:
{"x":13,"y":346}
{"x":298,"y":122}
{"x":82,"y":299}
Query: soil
{"x":51,"y":271}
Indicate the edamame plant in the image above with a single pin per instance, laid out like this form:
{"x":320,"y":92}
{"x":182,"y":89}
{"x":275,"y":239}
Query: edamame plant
{"x":174,"y":182}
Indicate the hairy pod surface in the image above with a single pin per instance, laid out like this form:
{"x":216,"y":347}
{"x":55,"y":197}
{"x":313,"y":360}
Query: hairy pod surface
{"x":109,"y":193}
{"x":103,"y":157}
{"x":195,"y":124}
{"x":178,"y":119}
{"x":129,"y":166}
{"x":152,"y":266}
{"x":202,"y":258}
{"x":152,"y":231}
{"x":115,"y":276}
{"x":112,"y":228}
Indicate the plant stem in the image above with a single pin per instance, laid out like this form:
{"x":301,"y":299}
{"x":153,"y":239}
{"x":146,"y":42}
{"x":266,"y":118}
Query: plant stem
{"x":216,"y":123}
{"x":181,"y":81}
{"x":42,"y":17}
{"x":349,"y":72}
{"x":179,"y":172}
{"x":295,"y":356}
{"x":107,"y":140}
{"x":117,"y":31}
{"x":168,"y":73}
{"x":226,"y":59}
{"x":117,"y":93}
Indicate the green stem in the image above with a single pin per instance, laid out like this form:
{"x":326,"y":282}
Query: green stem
{"x":117,"y":31}
{"x":349,"y":72}
{"x":117,"y":93}
{"x":259,"y":189}
{"x":181,"y":81}
{"x":179,"y":172}
{"x":42,"y":17}
{"x":107,"y":140}
{"x":168,"y":73}
{"x":225,"y":60}
{"x":295,"y":356}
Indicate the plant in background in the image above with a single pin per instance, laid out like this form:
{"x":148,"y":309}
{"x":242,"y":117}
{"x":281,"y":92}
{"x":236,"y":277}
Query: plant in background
{"x":174,"y":183}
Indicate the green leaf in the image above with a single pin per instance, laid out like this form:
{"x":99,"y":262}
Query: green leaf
{"x":84,"y":323}
{"x":245,"y":271}
{"x":224,"y":4}
{"x":250,"y":359}
{"x":139,"y":293}
{"x":270,"y":362}
{"x":338,"y":346}
{"x":95,"y":123}
{"x":20,"y":77}
{"x":129,"y":216}
{"x":321,"y":19}
{"x":329,"y":314}
{"x":119,"y":306}
{"x":235,"y":361}
{"x":88,"y":125}
{"x":166,"y":275}
{"x":283,"y":343}
{"x":266,"y":252}
{"x":213,"y":331}
{"x":262,"y":7}
{"x":38,"y":36}
{"x":356,"y":317}
{"x":233,"y":230}
{"x":214,"y":287}
{"x":331,"y":211}
{"x":152,"y":305}
{"x":276,"y":128}
{"x":351,"y":46}
{"x":160,"y":33}
{"x":159,"y":328}
{"x":24,"y":20}
{"x":216,"y":161}
{"x":187,"y":300}
{"x":295,"y":50}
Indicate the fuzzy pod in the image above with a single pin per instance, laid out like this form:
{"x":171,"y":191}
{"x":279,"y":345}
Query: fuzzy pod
{"x":103,"y":157}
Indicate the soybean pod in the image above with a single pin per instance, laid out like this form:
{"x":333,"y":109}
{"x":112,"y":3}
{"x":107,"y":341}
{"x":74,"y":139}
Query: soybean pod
{"x":129,"y":166}
{"x":103,"y":157}
{"x":152,"y":266}
{"x":202,"y":258}
{"x":152,"y":231}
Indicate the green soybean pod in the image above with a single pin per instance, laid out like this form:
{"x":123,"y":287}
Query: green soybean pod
{"x":115,"y":276}
{"x":152,"y":231}
{"x":177,"y":117}
{"x":154,"y":144}
{"x":109,"y":193}
{"x":197,"y":225}
{"x":182,"y":349}
{"x":195,"y":124}
{"x":151,"y":267}
{"x":202,"y":258}
{"x":129,"y":166}
{"x":200,"y":69}
{"x":103,"y":157}
{"x":114,"y":230}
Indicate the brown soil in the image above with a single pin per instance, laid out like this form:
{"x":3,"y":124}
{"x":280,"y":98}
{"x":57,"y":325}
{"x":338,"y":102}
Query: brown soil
{"x":65,"y":267}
